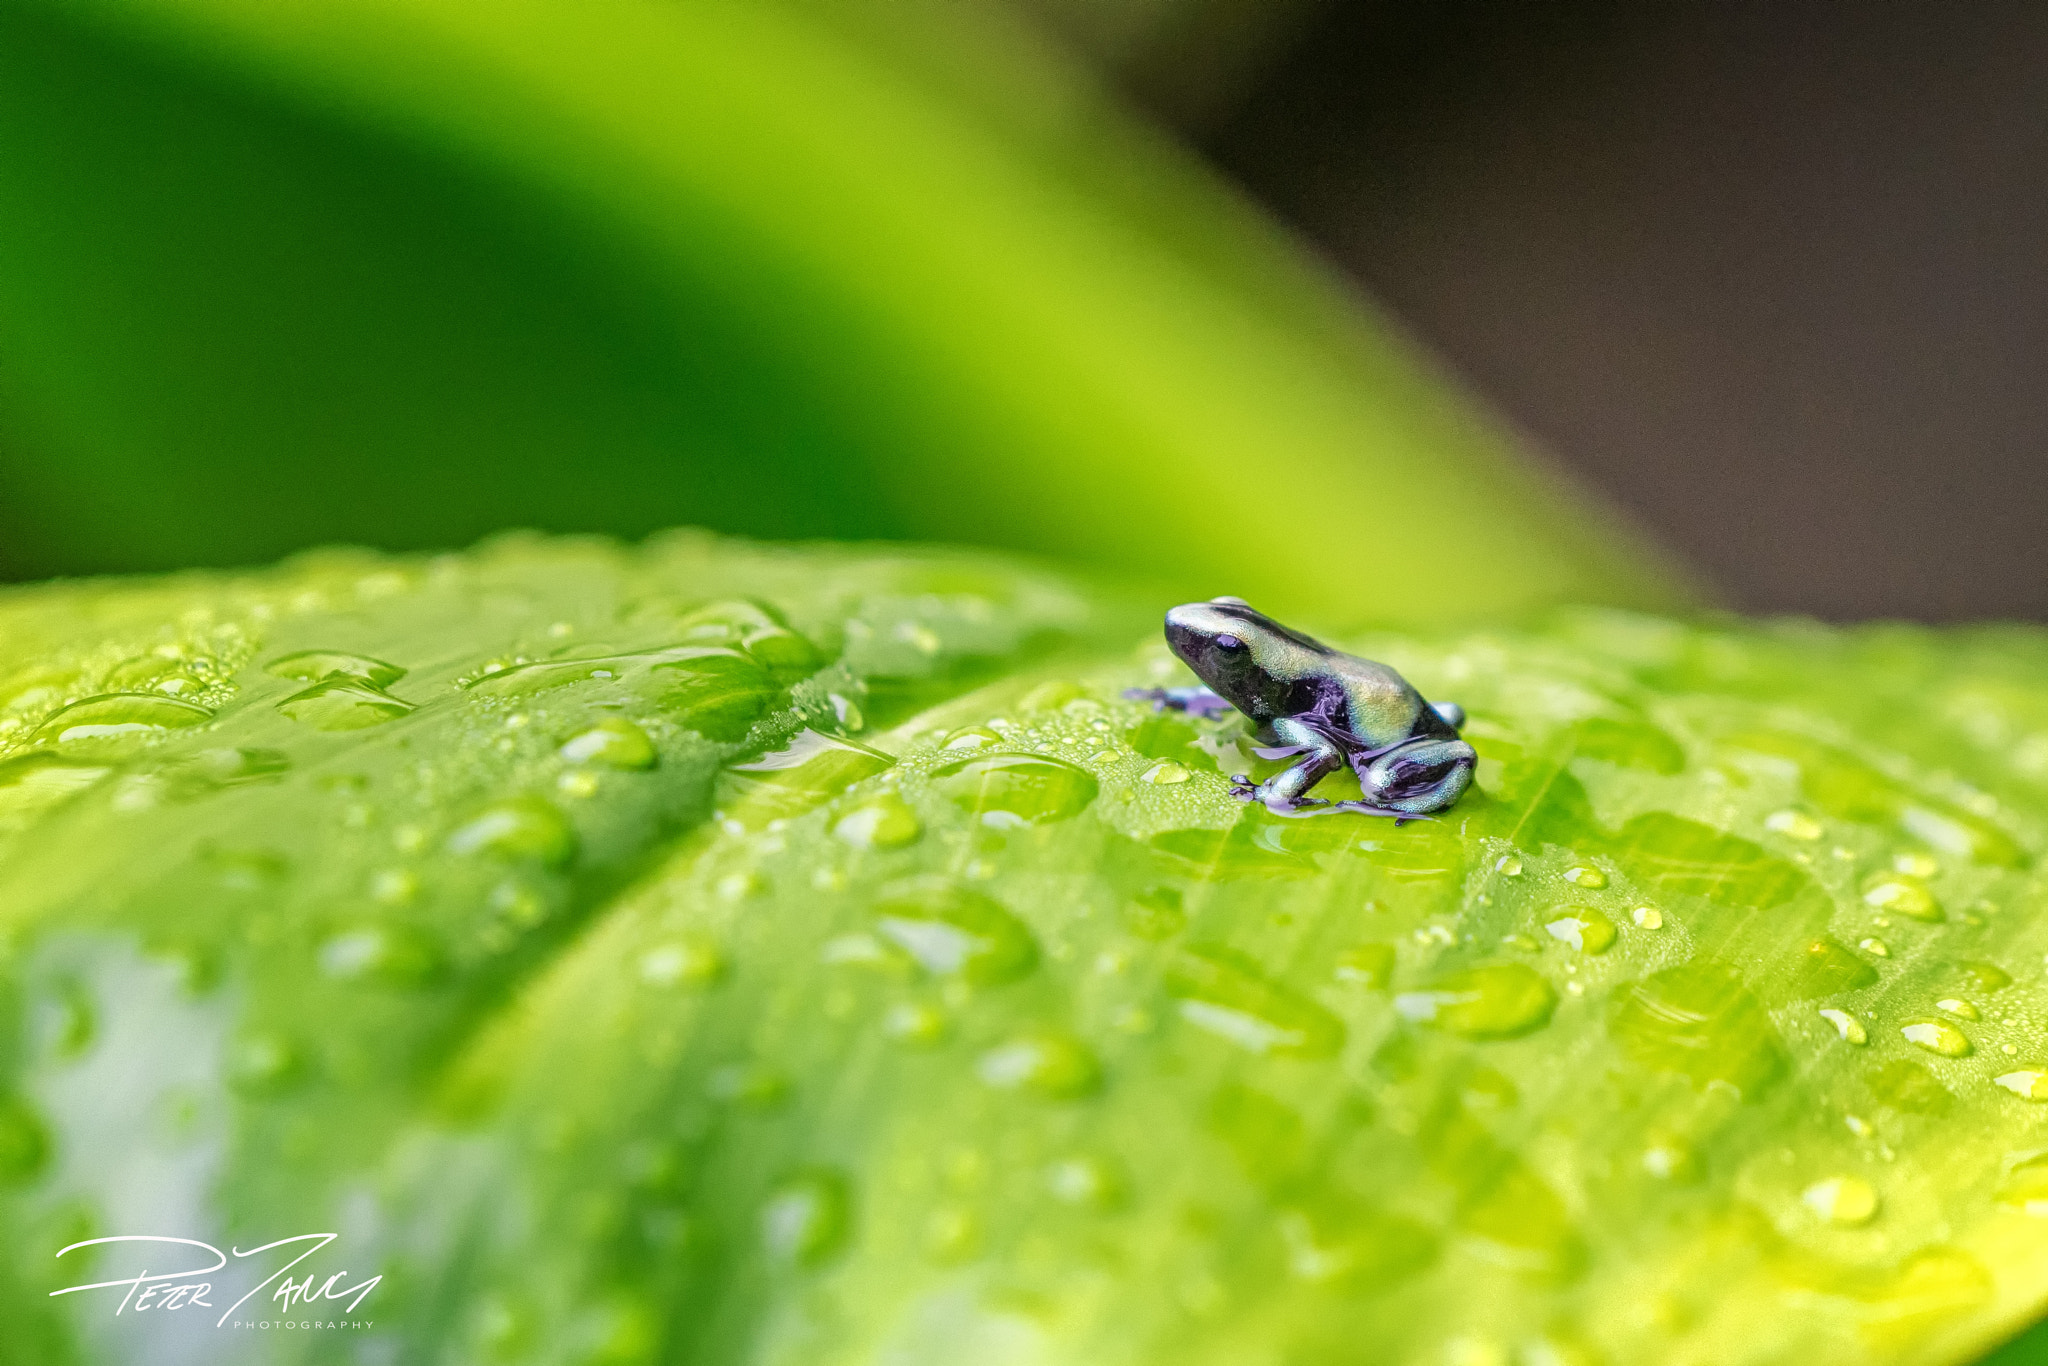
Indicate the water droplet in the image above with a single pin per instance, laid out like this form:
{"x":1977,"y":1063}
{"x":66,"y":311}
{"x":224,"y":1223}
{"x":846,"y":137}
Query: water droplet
{"x":1342,"y":1243}
{"x":917,"y":1023}
{"x":1903,"y":896}
{"x":523,"y":828}
{"x":884,"y":822}
{"x":811,"y":770}
{"x":344,"y":704}
{"x":1937,"y":1036}
{"x":1015,"y":790}
{"x":1167,"y":773}
{"x":613,"y":742}
{"x":1224,"y":992}
{"x":1057,"y":1066}
{"x":1859,"y":1126}
{"x":952,"y":1235}
{"x":1590,"y":878}
{"x":1908,"y":1086}
{"x":971,"y":739}
{"x":315,"y":665}
{"x":1508,"y":866}
{"x":1987,"y":977}
{"x":1086,"y":1181}
{"x":1698,"y":1020}
{"x":1916,"y":865}
{"x":807,"y":1218}
{"x":1584,"y":928}
{"x":32,"y":782}
{"x":264,"y":1063}
{"x":1667,"y":1159}
{"x":1876,"y":946}
{"x":121,"y":715}
{"x":1794,"y":825}
{"x":1959,"y":1008}
{"x":389,"y":955}
{"x":1647,"y":917}
{"x":2028,"y":1083}
{"x":1156,"y":913}
{"x":1827,"y":968}
{"x":1847,"y":1025}
{"x":1499,"y":1002}
{"x":1370,"y":966}
{"x":749,"y":1085}
{"x":950,"y":931}
{"x":2026,"y":1186}
{"x":740,"y":885}
{"x":24,"y":1142}
{"x":1842,"y":1200}
{"x":688,"y":963}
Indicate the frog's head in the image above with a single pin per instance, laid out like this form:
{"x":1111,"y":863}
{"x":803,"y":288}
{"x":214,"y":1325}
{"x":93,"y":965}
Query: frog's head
{"x":1232,"y":648}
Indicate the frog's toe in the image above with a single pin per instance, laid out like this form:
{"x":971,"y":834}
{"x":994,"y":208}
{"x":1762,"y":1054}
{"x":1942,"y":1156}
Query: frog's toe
{"x":1156,"y":696}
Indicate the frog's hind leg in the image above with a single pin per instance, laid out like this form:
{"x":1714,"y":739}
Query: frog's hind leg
{"x":1193,"y":701}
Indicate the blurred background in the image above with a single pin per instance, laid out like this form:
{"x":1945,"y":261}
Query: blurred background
{"x":1772,"y":278}
{"x":1774,"y":275}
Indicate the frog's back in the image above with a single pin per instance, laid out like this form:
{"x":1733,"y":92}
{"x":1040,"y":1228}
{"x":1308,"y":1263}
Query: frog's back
{"x":1383,"y":708}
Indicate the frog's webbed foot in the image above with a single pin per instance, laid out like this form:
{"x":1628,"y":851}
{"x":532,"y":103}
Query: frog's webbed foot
{"x":1193,"y":701}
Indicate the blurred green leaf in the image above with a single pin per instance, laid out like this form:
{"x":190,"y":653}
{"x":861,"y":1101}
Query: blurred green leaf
{"x":408,"y":271}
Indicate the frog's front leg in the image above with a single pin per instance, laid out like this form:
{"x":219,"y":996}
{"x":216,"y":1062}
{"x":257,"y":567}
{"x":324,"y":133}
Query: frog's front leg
{"x":1193,"y":701}
{"x":1287,"y":789}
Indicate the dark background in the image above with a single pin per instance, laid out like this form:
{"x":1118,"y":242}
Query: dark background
{"x":1774,"y":275}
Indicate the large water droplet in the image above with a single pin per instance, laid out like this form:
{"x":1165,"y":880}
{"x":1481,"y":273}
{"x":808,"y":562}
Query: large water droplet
{"x":1842,"y":1200}
{"x":1340,"y":1242}
{"x":32,"y":782}
{"x":1956,"y":1006}
{"x":1369,"y":966}
{"x":1903,"y":896}
{"x":613,"y":742}
{"x":344,"y":704}
{"x":2026,"y":1186}
{"x":810,"y":770}
{"x":2028,"y":1083}
{"x":884,"y":822}
{"x":758,"y":630}
{"x":121,"y":715}
{"x":808,"y":1218}
{"x":1497,"y":1002}
{"x":1055,"y":1065}
{"x":1224,"y":992}
{"x":1088,"y":1181}
{"x":1582,"y":927}
{"x":314,"y":665}
{"x":1827,"y":968}
{"x":1014,"y":790}
{"x":1937,"y":1036}
{"x":688,"y":963}
{"x":1698,"y":1020}
{"x":388,"y":955}
{"x":1847,"y":1025}
{"x":950,"y":930}
{"x":523,"y":828}
{"x":24,"y":1142}
{"x":263,"y":1062}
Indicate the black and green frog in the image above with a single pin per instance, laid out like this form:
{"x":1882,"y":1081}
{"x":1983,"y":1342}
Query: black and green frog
{"x":1321,"y":707}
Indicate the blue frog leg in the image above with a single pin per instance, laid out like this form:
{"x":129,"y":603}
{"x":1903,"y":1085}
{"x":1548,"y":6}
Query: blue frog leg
{"x":1193,"y":701}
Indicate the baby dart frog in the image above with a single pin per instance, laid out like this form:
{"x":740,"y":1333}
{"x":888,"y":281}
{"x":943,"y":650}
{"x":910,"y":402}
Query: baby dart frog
{"x":1322,"y":705}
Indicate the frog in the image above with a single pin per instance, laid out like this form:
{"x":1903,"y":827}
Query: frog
{"x":1320,"y":707}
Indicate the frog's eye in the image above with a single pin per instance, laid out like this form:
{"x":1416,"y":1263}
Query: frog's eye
{"x":1230,"y":645}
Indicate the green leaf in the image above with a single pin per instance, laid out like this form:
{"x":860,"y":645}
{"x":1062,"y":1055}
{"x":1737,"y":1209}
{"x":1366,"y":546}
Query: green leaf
{"x":406,"y":272}
{"x":888,"y":997}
